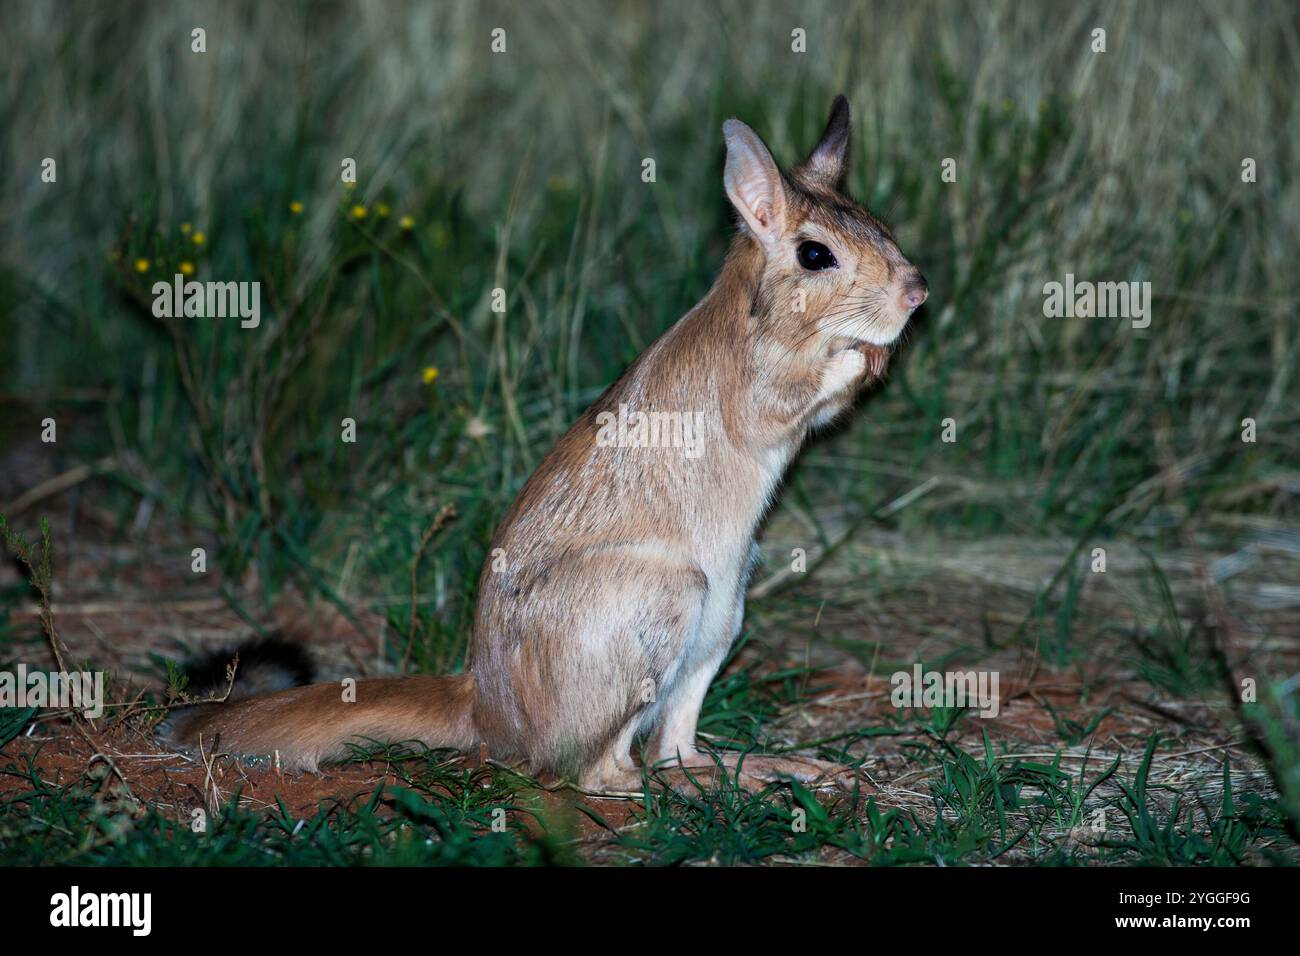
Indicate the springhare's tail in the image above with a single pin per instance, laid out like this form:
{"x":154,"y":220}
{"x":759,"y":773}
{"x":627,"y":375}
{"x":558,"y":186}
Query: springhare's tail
{"x":308,"y":726}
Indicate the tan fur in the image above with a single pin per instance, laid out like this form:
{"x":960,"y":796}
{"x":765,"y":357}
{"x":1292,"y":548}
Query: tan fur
{"x":308,"y":726}
{"x":623,"y":569}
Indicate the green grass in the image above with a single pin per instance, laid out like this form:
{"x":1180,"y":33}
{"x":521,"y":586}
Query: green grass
{"x":414,"y":824}
{"x":523,"y":172}
{"x":981,"y":811}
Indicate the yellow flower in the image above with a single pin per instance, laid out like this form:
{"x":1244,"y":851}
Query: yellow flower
{"x":187,"y":268}
{"x":407,"y":223}
{"x":382,"y":209}
{"x":185,"y":228}
{"x":358,"y":211}
{"x":295,"y":207}
{"x":141,"y":265}
{"x":199,"y":238}
{"x":430,"y":374}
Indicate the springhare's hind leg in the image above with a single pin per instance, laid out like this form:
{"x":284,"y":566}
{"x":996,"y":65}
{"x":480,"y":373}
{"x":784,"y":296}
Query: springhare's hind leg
{"x":675,"y":736}
{"x":675,"y":749}
{"x":614,"y":771}
{"x":582,"y":688}
{"x":680,"y":716}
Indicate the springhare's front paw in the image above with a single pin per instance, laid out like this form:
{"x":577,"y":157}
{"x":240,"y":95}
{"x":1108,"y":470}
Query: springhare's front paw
{"x":841,"y":370}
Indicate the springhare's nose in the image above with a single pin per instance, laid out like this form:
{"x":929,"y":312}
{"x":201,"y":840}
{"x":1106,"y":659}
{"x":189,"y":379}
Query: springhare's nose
{"x":915,"y":291}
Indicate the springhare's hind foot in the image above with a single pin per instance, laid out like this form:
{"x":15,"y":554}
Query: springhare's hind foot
{"x":756,"y":771}
{"x":612,"y":781}
{"x":772,"y":768}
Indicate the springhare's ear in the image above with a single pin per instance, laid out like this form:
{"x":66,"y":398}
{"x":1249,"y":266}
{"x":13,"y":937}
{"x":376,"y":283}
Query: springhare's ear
{"x":827,"y":162}
{"x":753,"y":182}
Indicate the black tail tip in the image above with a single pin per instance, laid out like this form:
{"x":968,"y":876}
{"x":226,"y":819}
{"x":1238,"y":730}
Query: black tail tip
{"x":266,"y":664}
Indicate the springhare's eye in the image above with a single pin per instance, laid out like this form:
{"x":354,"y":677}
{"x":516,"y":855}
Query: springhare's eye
{"x":814,"y":257}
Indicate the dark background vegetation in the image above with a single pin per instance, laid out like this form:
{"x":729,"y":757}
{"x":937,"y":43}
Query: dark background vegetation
{"x":522,"y":171}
